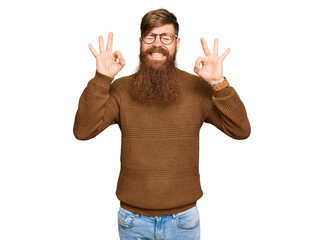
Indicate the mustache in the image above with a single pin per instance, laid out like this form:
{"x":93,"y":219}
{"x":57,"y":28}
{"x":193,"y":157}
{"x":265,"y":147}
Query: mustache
{"x":154,"y":49}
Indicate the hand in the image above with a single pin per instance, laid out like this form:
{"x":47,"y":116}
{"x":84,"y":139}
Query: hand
{"x":106,"y":61}
{"x":212,"y":65}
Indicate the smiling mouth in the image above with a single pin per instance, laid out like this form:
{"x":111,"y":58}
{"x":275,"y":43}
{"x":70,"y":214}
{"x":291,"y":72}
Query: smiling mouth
{"x":157,"y":55}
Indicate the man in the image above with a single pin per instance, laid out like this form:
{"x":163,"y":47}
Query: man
{"x":160,"y":110}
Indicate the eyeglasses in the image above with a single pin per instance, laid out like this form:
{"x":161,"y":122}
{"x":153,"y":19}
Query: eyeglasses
{"x":166,"y":38}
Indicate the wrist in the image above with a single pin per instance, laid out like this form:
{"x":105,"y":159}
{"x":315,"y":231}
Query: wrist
{"x":215,"y":82}
{"x":220,"y":85}
{"x":104,"y":73}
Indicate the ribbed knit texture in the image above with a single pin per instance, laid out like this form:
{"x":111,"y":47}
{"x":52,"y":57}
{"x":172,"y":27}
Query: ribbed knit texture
{"x":160,"y":142}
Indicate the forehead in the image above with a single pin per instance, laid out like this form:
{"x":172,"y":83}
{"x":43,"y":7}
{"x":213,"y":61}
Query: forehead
{"x":162,"y":29}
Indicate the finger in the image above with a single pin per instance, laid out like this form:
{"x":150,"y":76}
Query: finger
{"x":224,"y":55}
{"x":109,"y":45}
{"x":198,"y":62}
{"x":101,"y":43}
{"x":92,"y":50}
{"x":216,"y":47}
{"x":205,"y":47}
{"x":117,"y":54}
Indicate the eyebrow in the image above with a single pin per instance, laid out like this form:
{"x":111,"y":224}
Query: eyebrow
{"x":161,"y":33}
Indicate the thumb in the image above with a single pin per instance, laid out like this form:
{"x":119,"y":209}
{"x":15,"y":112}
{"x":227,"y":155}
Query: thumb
{"x":118,"y":55}
{"x":197,"y":64}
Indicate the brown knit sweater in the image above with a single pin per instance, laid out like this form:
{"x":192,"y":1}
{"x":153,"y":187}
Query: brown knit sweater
{"x":160,"y":143}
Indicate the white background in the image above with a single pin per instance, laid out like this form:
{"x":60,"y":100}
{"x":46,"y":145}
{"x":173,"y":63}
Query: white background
{"x":53,"y":186}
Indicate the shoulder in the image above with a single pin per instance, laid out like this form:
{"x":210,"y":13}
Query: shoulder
{"x":123,"y":82}
{"x":186,"y":75}
{"x":200,"y":84}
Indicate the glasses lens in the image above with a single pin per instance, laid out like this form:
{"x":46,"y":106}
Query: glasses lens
{"x":149,"y":38}
{"x":167,"y":38}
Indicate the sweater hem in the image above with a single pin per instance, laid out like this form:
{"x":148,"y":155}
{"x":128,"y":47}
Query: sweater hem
{"x":157,"y":212}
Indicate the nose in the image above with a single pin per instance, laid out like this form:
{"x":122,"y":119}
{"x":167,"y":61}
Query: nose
{"x":157,"y":42}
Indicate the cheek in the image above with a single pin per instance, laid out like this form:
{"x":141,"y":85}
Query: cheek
{"x":172,"y":50}
{"x":143,"y":48}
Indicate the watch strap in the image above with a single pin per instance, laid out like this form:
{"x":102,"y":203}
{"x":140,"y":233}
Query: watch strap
{"x":217,"y":87}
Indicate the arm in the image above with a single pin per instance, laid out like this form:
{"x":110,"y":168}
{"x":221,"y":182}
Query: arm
{"x":222,"y":108}
{"x":225,"y":110}
{"x":98,"y":108}
{"x":99,"y":104}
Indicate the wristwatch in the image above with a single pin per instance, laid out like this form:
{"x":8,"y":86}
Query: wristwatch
{"x":217,"y":87}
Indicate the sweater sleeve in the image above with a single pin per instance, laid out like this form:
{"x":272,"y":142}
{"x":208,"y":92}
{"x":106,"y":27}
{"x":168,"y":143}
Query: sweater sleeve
{"x":98,"y":107}
{"x":225,"y":110}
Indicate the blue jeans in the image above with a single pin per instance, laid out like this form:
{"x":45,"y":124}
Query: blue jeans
{"x":184,"y":225}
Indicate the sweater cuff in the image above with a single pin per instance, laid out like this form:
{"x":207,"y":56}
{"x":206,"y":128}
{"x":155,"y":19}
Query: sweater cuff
{"x":222,"y":93}
{"x":102,"y":80}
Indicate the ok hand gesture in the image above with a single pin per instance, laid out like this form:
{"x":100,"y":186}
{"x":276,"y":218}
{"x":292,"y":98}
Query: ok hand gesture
{"x":212,"y":65}
{"x":106,"y":61}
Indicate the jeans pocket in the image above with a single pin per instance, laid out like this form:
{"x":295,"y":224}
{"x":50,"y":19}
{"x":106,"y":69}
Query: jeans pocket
{"x":188,"y":219}
{"x":126,"y":218}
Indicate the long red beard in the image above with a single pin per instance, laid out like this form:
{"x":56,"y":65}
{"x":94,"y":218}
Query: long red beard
{"x":156,"y":81}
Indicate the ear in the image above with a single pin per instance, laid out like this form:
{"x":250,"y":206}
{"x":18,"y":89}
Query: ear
{"x":178,"y":43}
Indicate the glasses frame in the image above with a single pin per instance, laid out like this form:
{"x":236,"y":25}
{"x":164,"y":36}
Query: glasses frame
{"x":160,"y":37}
